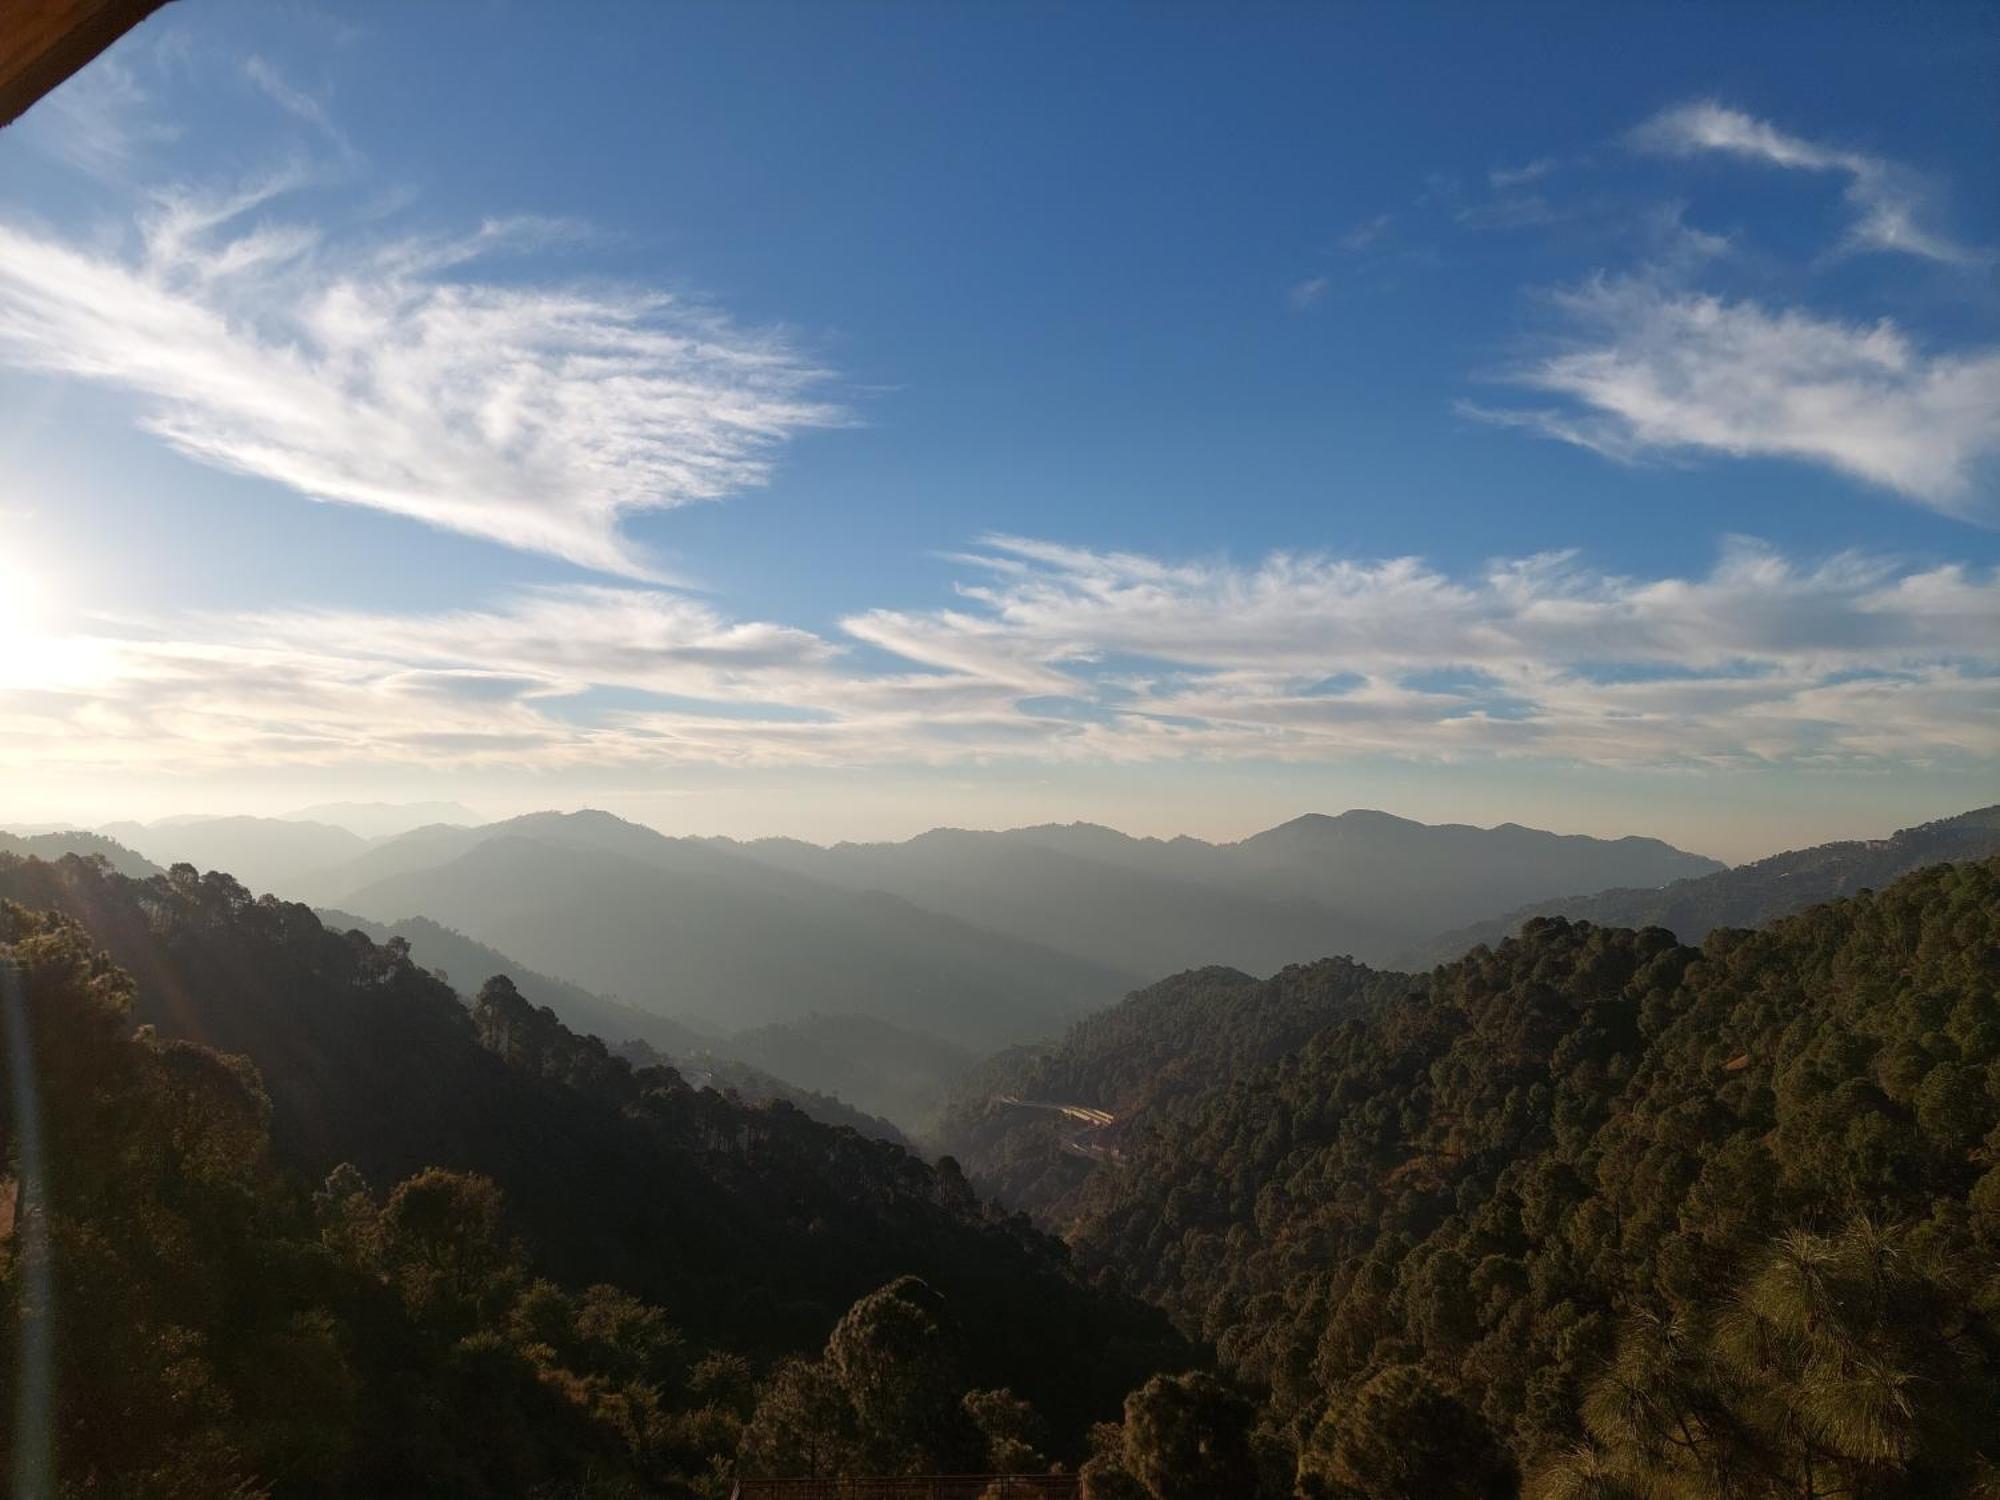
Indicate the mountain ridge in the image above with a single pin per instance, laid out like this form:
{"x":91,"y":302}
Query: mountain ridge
{"x":1749,"y":894}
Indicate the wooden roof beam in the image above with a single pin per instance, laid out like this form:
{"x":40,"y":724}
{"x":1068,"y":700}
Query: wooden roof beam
{"x":42,"y":42}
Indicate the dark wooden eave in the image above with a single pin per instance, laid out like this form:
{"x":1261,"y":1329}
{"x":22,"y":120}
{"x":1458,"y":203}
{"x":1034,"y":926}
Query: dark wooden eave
{"x":42,"y":42}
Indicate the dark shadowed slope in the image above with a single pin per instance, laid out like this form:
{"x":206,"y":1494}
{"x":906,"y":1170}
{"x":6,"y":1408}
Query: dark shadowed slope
{"x":755,"y":1225}
{"x":1749,"y":895}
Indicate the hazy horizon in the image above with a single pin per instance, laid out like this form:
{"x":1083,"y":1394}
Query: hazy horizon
{"x":326,"y":810}
{"x":1610,"y":455}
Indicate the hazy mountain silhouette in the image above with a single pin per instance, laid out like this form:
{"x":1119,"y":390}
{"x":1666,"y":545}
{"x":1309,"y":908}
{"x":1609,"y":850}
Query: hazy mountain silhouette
{"x":266,"y":854}
{"x":54,"y":844}
{"x":691,"y":930}
{"x":1751,"y":894}
{"x":377,"y":820}
{"x":641,"y":1037}
{"x":973,"y":939}
{"x":1362,"y":883}
{"x":465,"y":964}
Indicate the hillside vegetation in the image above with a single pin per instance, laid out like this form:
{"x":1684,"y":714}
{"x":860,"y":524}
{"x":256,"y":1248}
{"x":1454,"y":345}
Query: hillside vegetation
{"x":1159,"y":1049}
{"x":1613,"y":1215}
{"x":398,"y":1177}
{"x":1749,"y":895}
{"x":1589,"y":1213}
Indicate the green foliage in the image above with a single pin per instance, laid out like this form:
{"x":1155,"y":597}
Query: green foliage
{"x":1863,"y":1362}
{"x":1013,"y":1432}
{"x":1475,"y":1184}
{"x":1185,"y":1437}
{"x":1591,"y":1205}
{"x":230,"y":1329}
{"x":1160,"y":1048}
{"x":887,"y":1396}
{"x":1405,"y":1437}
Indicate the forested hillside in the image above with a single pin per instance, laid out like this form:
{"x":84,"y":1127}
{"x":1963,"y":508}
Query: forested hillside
{"x":1614,"y":1215}
{"x":494,"y":1252}
{"x":1591,"y":1213}
{"x":1748,"y":895}
{"x":1162,"y":1046}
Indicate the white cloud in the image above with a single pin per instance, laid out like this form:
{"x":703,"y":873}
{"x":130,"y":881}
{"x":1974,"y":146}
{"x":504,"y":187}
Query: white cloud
{"x":1065,"y":654}
{"x":1366,"y":233}
{"x":1887,"y":200}
{"x":1502,"y":178}
{"x":97,"y":121}
{"x":295,"y":101}
{"x":533,"y":413}
{"x":1655,"y":370}
{"x":1308,"y":292}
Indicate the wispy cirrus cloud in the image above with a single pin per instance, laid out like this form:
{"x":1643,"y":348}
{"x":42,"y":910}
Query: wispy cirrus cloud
{"x":1308,"y":293}
{"x":98,"y":121}
{"x":1648,"y":364}
{"x":267,"y":79}
{"x":1653,"y":369}
{"x":1064,"y":654}
{"x":1887,"y":199}
{"x":535,"y":411}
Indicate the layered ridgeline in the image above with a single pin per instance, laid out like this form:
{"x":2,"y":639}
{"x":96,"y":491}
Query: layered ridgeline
{"x":978,"y":940}
{"x":1748,"y":895}
{"x":1611,"y":1216}
{"x":686,"y":929}
{"x":1363,"y":884}
{"x":322,"y":1227}
{"x":55,"y":844}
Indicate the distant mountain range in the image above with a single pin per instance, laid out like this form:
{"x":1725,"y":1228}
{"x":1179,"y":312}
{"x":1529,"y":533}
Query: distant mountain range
{"x":1362,"y":883}
{"x":689,"y":930}
{"x":378,"y":820}
{"x":954,"y":942}
{"x":1749,"y":895}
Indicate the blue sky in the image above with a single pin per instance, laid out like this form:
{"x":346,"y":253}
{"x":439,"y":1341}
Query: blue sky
{"x":1581,"y":415}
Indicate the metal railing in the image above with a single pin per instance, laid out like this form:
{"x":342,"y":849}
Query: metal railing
{"x":915,"y":1487}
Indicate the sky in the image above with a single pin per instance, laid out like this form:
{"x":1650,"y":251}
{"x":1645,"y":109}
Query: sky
{"x":842,"y":420}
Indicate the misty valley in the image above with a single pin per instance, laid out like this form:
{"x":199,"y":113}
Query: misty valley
{"x":1677,"y":1179}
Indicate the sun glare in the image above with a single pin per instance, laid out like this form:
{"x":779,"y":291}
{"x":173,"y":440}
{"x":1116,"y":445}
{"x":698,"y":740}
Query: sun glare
{"x":24,"y":607}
